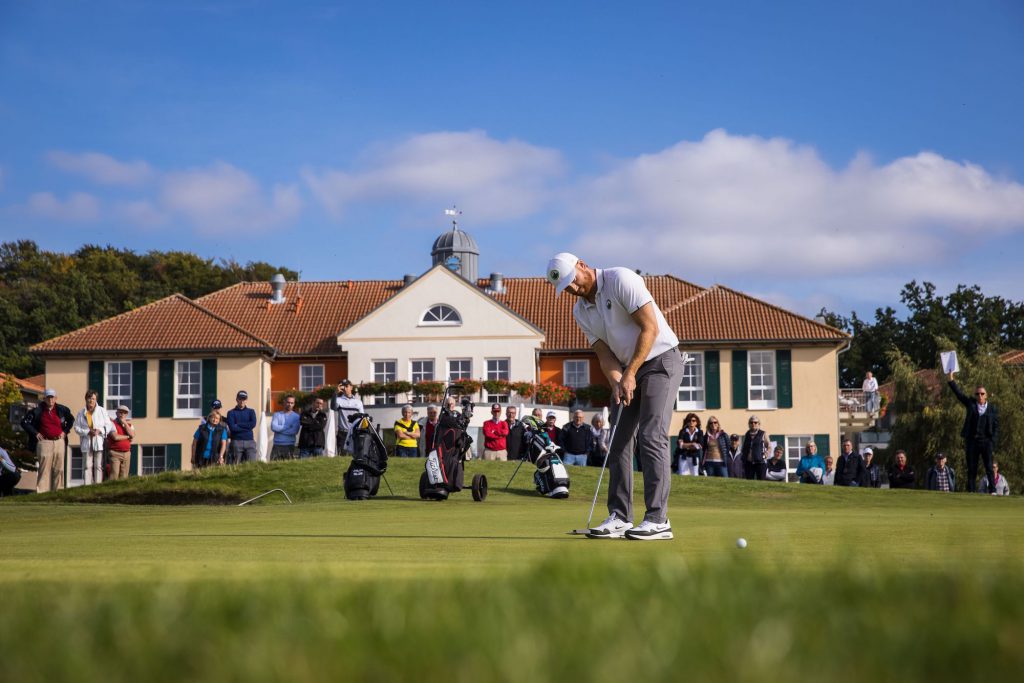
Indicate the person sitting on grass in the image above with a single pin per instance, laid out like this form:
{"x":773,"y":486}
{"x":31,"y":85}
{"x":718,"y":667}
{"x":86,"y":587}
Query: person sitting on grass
{"x":209,"y":442}
{"x":9,"y":474}
{"x":901,"y":476}
{"x":940,"y":477}
{"x":776,"y":469}
{"x":829,"y":478}
{"x":811,"y":467}
{"x":1000,"y":488}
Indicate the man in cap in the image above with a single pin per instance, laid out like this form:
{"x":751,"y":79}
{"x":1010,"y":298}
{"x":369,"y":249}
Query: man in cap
{"x":120,"y":443}
{"x":639,"y":355}
{"x":940,"y":477}
{"x":241,"y":423}
{"x":47,"y":425}
{"x":347,"y":404}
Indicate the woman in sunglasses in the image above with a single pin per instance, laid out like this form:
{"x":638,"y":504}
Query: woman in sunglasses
{"x":755,"y":448}
{"x":716,"y":449}
{"x":690,"y":448}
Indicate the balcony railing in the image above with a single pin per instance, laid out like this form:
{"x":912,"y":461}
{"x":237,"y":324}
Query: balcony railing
{"x":852,"y":401}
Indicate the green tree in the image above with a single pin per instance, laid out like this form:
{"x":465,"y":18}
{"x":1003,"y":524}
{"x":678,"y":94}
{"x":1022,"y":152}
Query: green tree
{"x":927,"y":423}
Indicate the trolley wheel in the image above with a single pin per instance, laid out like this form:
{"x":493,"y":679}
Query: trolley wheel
{"x":479,"y":487}
{"x":423,"y":485}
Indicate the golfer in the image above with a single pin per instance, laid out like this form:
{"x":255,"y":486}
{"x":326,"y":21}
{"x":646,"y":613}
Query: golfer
{"x":639,"y":355}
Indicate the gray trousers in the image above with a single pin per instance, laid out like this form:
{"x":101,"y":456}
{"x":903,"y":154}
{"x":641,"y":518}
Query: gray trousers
{"x":644,"y":424}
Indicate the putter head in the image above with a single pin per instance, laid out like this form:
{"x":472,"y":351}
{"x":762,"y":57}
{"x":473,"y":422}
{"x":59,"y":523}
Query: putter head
{"x":578,"y":532}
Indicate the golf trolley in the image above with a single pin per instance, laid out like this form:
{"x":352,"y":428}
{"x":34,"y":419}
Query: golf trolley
{"x":369,"y":460}
{"x":446,"y":458}
{"x":551,"y":476}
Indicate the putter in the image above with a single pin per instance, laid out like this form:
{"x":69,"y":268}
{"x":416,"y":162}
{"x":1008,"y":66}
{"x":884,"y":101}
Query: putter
{"x":611,"y":438}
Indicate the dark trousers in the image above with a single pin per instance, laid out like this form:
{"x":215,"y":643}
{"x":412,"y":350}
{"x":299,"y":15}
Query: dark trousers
{"x":982,"y":447}
{"x":755,"y":470}
{"x":716,"y":469}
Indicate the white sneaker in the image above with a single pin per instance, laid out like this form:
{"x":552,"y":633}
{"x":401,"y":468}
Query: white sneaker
{"x":650,"y":531}
{"x":613,"y":527}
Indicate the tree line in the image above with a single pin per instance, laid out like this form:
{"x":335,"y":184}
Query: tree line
{"x":965,"y":319}
{"x":44,"y":294}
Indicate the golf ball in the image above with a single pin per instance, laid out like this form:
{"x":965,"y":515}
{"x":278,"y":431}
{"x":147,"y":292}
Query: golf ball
{"x":741,"y":543}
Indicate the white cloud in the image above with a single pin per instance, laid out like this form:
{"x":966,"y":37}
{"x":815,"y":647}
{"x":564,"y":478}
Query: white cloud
{"x":732,"y":203}
{"x":101,"y":168}
{"x":140,"y":213}
{"x":79,"y":207}
{"x":223,"y":196}
{"x":490,"y":179}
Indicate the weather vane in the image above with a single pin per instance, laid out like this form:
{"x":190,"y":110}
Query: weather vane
{"x":454,"y":213}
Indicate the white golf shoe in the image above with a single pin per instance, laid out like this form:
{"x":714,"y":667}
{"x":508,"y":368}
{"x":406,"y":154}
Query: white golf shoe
{"x":650,"y":531}
{"x":613,"y":527}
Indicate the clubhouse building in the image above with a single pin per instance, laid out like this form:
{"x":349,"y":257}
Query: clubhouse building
{"x":169,"y":359}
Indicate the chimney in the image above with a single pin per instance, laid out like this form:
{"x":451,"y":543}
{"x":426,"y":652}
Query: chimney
{"x":497,"y":285}
{"x":277,"y":285}
{"x":408,"y":279}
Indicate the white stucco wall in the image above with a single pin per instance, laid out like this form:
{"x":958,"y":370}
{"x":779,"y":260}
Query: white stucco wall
{"x":488,"y":330}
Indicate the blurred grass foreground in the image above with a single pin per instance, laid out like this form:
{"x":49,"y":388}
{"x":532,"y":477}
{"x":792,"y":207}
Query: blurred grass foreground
{"x":836,"y":585}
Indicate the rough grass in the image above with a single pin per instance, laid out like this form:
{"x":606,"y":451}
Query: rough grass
{"x":836,"y":584}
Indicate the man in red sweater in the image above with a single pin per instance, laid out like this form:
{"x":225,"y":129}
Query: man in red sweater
{"x":495,"y":433}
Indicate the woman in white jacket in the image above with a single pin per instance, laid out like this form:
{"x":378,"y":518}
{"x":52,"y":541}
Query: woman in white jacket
{"x":93,"y":424}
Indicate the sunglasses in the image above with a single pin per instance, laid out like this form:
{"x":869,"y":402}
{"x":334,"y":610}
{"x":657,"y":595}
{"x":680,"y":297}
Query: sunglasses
{"x":980,"y":393}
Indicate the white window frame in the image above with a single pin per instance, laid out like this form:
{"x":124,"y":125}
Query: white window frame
{"x":762,"y":403}
{"x":377,"y":377}
{"x":152,"y":457}
{"x":566,"y":374}
{"x":110,"y":399}
{"x":421,"y":375}
{"x":441,"y":315}
{"x":188,"y":412}
{"x":796,"y":447}
{"x":493,"y":374}
{"x":692,"y":393}
{"x":305,"y":385}
{"x":468,"y":373}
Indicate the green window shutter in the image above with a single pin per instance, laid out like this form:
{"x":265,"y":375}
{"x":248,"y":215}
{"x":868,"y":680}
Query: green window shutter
{"x":165,"y":389}
{"x":784,"y":375}
{"x":96,"y":378}
{"x":133,"y":465}
{"x":712,"y":381}
{"x":824,"y":444}
{"x":209,"y":382}
{"x":139,"y":388}
{"x":173,"y":459}
{"x":739,"y":379}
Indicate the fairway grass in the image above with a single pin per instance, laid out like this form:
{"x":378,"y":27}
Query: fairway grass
{"x":836,"y":584}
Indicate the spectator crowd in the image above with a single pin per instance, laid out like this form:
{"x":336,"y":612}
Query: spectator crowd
{"x":105,"y":443}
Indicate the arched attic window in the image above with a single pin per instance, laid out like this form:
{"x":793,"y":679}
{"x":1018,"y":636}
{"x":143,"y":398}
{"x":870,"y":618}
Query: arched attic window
{"x":441,"y":315}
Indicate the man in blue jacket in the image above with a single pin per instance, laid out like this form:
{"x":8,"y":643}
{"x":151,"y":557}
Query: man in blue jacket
{"x":285,"y":425}
{"x":241,"y":423}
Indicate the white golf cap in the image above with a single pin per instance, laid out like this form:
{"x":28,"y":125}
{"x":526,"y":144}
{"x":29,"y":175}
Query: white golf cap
{"x":562,"y":271}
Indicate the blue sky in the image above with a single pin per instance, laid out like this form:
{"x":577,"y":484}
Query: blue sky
{"x":809,"y":153}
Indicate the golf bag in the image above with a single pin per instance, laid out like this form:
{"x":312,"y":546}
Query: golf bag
{"x":551,"y":477}
{"x":369,"y":459}
{"x":444,"y":472}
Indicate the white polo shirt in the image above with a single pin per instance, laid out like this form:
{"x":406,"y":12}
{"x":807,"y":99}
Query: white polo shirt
{"x":620,"y":293}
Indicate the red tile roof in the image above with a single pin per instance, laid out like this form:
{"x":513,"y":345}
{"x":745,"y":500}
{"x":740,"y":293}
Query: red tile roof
{"x":1012,"y":357}
{"x":28,"y":385}
{"x":720,"y":314}
{"x":534,"y":299}
{"x":313,"y":313}
{"x":175,"y":323}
